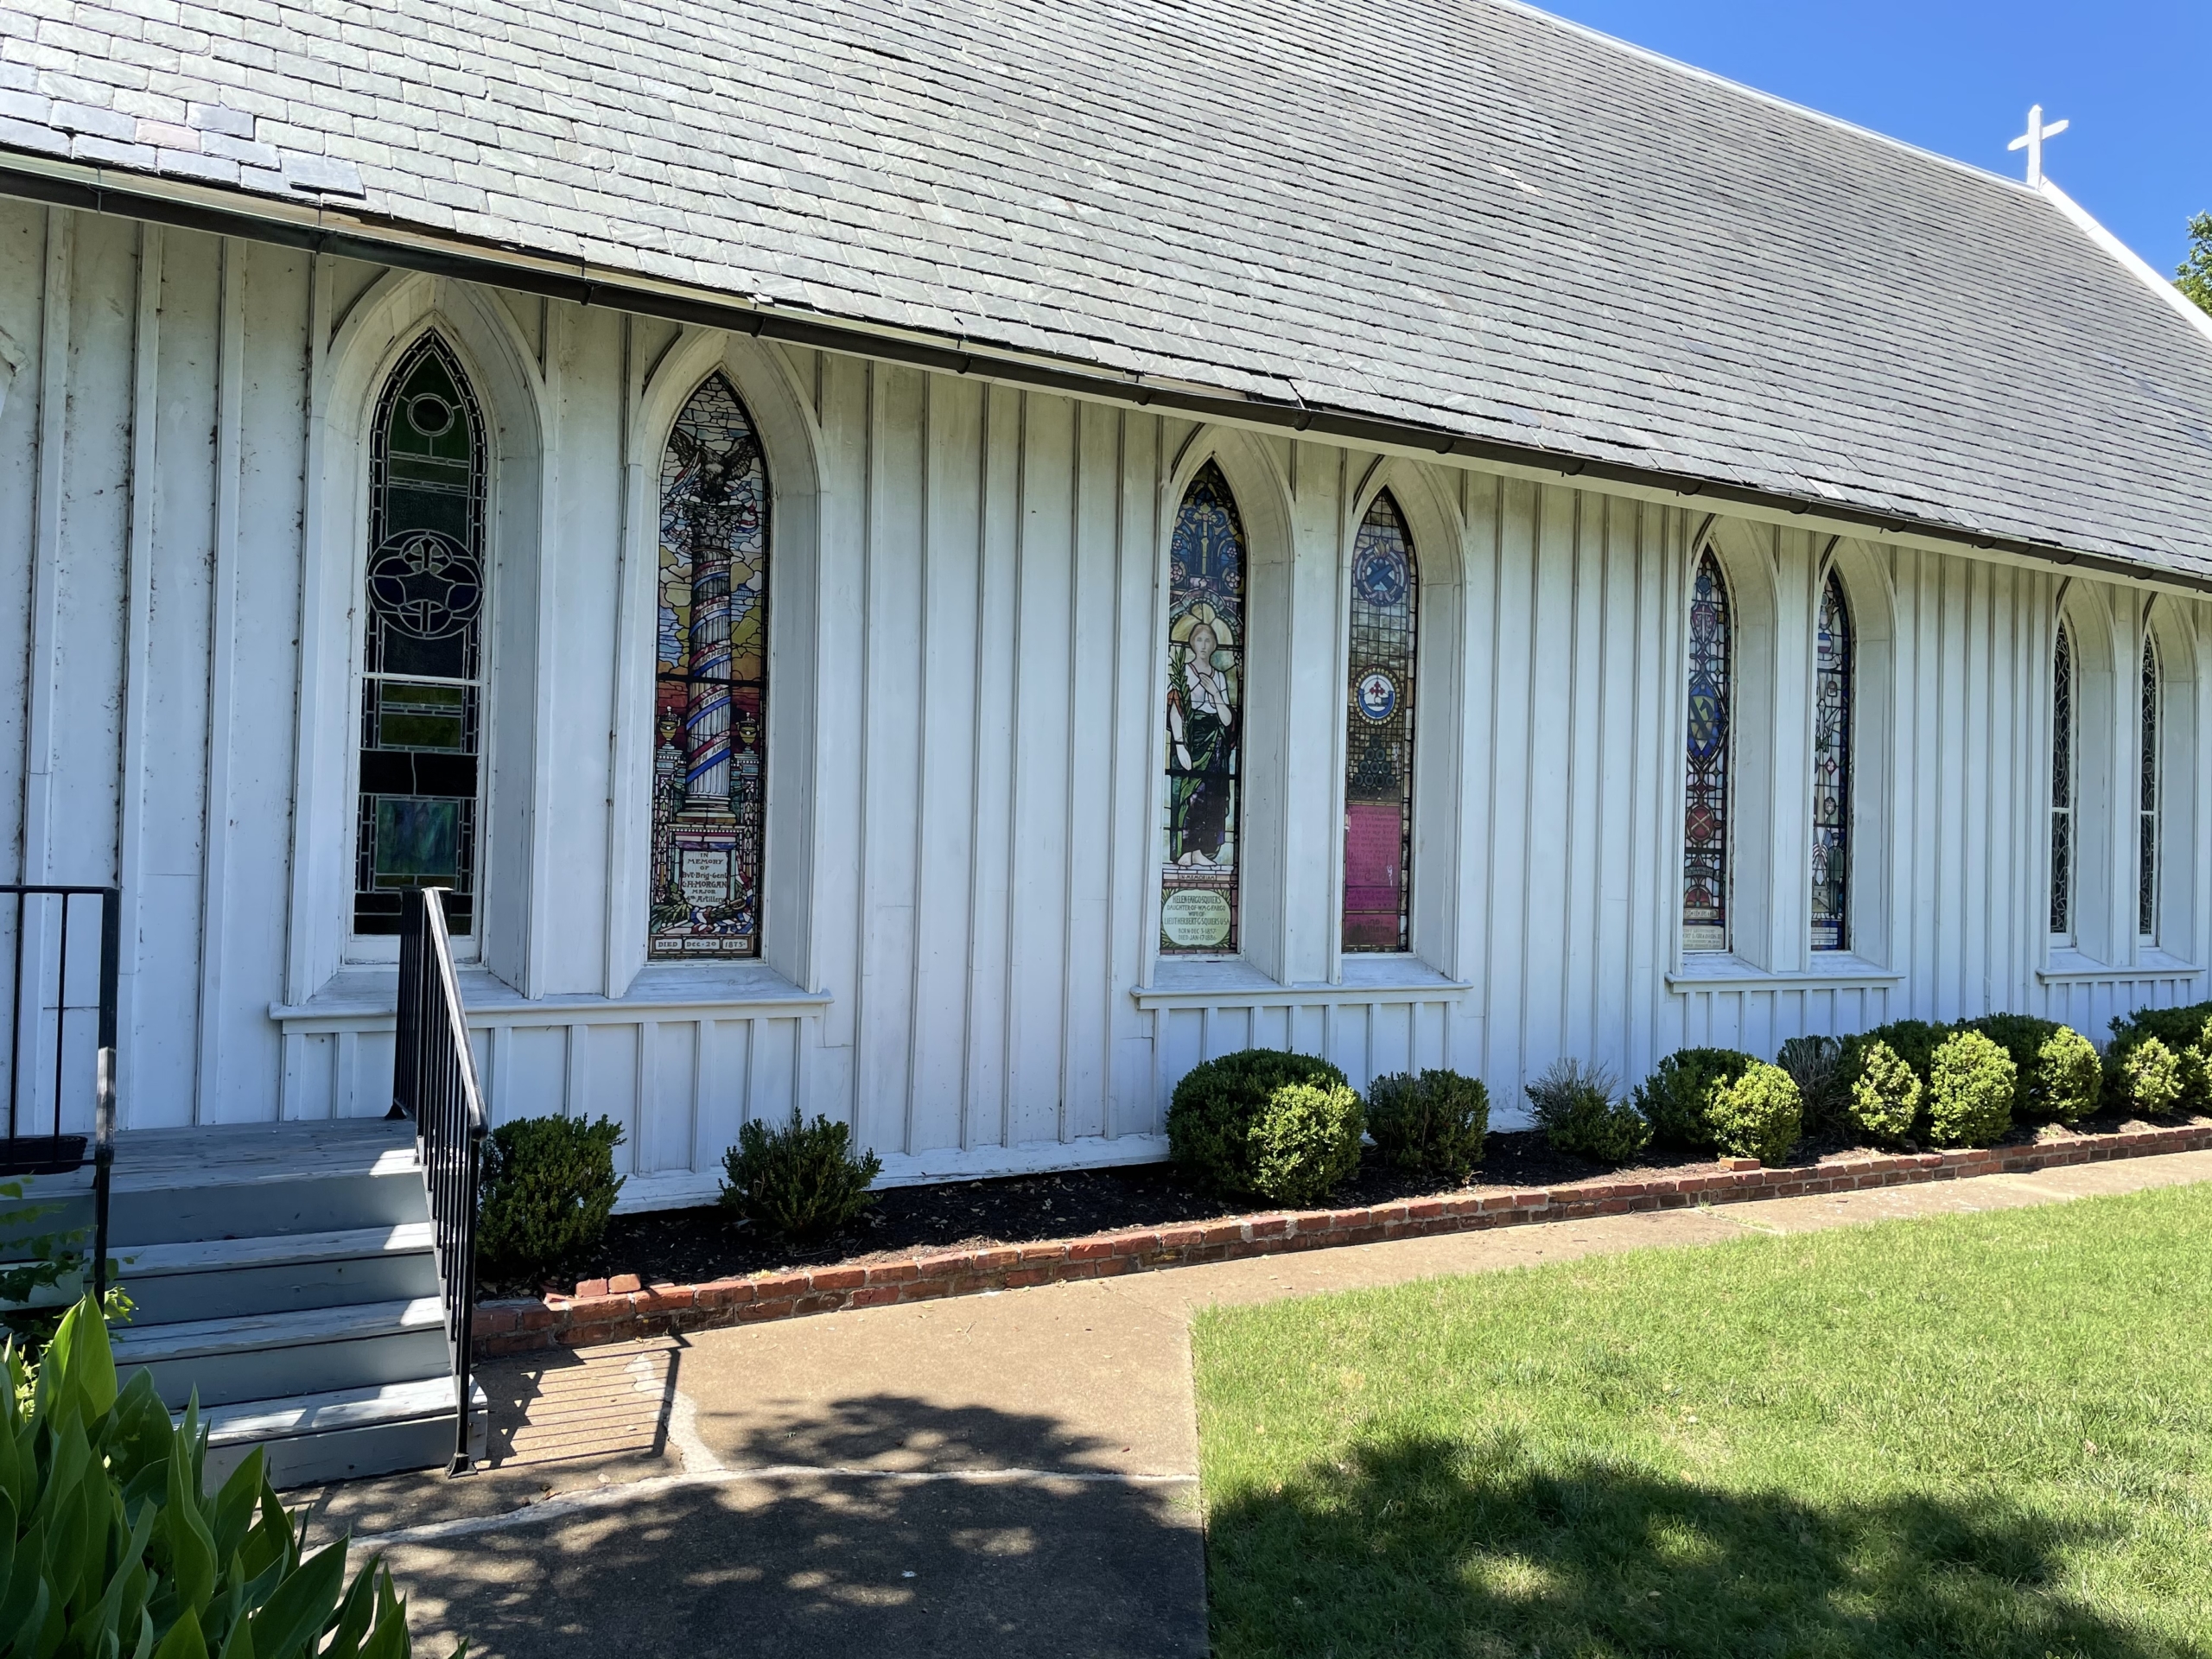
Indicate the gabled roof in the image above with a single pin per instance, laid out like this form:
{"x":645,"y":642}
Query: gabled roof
{"x":1457,"y":215}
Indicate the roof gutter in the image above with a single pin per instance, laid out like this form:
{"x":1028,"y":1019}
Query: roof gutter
{"x":321,"y":228}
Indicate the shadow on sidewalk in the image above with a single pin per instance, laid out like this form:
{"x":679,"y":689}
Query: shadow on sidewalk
{"x":876,"y":1561}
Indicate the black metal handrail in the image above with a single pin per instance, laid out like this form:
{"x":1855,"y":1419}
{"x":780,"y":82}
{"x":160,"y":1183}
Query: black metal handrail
{"x":433,"y":1083}
{"x":28,"y":1148}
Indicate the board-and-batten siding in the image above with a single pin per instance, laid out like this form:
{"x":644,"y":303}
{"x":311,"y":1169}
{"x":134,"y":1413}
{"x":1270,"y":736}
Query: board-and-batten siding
{"x":984,"y":680}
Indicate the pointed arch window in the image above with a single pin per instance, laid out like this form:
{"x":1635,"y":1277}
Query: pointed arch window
{"x":2062,"y":784}
{"x":422,"y":658}
{"x":710,"y":716}
{"x":1832,"y":696}
{"x":1205,"y":709}
{"x":1379,"y":746}
{"x":1706,"y":803}
{"x":2147,"y":869}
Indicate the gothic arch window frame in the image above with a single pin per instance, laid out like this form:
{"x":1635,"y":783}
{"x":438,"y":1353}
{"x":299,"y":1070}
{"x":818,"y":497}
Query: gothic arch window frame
{"x":360,"y":341}
{"x":1834,"y":732}
{"x":710,"y":717}
{"x":1708,"y":758}
{"x":2065,"y":782}
{"x":766,"y":382}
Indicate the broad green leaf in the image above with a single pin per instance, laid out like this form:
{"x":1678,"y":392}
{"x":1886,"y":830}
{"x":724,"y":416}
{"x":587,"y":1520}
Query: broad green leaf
{"x":7,"y":1544}
{"x":192,"y":1550}
{"x":144,"y":1646}
{"x":355,"y":1615}
{"x":389,"y":1640}
{"x":116,"y":1600}
{"x":239,"y":1644}
{"x":28,"y":1622}
{"x":234,"y":1503}
{"x":91,"y":1358}
{"x":184,"y":1640}
{"x":302,"y":1604}
{"x":20,"y":1608}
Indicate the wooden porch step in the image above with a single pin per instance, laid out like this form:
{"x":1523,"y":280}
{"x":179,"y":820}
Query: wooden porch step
{"x":229,"y":1255}
{"x":271,"y":1355}
{"x":219,"y":1278}
{"x":344,"y":1431}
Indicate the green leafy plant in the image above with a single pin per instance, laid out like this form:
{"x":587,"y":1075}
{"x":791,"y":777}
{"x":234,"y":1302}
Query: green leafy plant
{"x":2186,"y":1032}
{"x":549,"y":1185}
{"x":1579,"y":1110}
{"x":110,"y":1545}
{"x":1970,"y":1087}
{"x":2194,"y":274}
{"x":1913,"y":1041}
{"x":2069,"y":1078}
{"x":1432,"y":1121}
{"x":44,"y":1268}
{"x":1815,"y":1065}
{"x":1676,"y":1099}
{"x":1885,"y":1100}
{"x":1758,"y":1115}
{"x":2151,"y":1078}
{"x":801,"y":1180}
{"x":1267,"y":1124}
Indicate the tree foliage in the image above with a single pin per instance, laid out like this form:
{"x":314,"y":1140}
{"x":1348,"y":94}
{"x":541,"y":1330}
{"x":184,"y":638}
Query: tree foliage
{"x":2194,"y":274}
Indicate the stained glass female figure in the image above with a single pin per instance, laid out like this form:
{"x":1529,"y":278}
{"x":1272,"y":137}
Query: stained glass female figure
{"x":422,"y":658}
{"x":710,"y":692}
{"x":2062,"y":784}
{"x":1379,"y":746}
{"x":1205,"y":679}
{"x":1831,"y":691}
{"x":2147,"y":819}
{"x":1705,"y":817}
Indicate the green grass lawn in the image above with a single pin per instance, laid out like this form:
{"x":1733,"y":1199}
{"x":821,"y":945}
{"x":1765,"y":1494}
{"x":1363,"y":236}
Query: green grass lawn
{"x":1981,"y":1435}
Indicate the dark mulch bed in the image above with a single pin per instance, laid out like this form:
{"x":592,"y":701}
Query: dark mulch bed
{"x":691,"y":1246}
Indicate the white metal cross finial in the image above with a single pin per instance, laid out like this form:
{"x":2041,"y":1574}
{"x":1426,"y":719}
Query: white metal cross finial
{"x":2032,"y":141}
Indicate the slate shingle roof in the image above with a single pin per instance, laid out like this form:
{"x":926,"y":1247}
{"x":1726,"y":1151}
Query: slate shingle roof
{"x":1456,"y":213}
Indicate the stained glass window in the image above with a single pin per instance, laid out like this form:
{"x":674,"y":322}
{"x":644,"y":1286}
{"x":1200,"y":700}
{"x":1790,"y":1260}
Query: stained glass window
{"x":709,"y":708}
{"x":2062,"y":784}
{"x":422,"y":663}
{"x":1704,"y":817}
{"x":2147,"y":868}
{"x":1379,"y":746}
{"x":1205,"y":695}
{"x":1831,"y":772}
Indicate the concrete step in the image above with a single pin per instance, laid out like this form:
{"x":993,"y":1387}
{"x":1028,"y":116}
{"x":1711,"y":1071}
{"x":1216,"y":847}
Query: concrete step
{"x":258,"y":1180}
{"x":208,"y":1278}
{"x":344,"y":1433}
{"x":276,"y":1355}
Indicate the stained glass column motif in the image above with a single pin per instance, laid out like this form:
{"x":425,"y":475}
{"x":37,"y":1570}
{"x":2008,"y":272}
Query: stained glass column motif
{"x":1379,"y":746}
{"x":1831,"y":772}
{"x":2061,"y":785}
{"x":1705,"y":817}
{"x":2147,"y":869}
{"x":1205,"y":695}
{"x":710,"y":710}
{"x":423,"y":667}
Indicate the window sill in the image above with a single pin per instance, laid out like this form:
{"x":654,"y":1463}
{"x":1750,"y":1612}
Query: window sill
{"x":2068,"y":966}
{"x":365,"y":997}
{"x":1187,"y":984}
{"x":1831,"y":970}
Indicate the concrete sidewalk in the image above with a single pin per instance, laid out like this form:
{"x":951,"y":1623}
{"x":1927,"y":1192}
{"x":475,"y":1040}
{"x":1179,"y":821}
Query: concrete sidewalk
{"x":1006,"y":1474}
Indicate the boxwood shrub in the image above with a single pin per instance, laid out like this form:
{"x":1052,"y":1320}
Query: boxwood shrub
{"x":1970,"y":1088}
{"x":800,"y":1180}
{"x":1757,"y":1115}
{"x":549,"y":1185}
{"x":1578,"y":1109}
{"x":1913,"y":1041}
{"x":1676,"y":1099}
{"x":2186,"y":1035}
{"x":2060,"y":1076}
{"x":2150,"y":1077}
{"x":1885,"y":1099}
{"x":1432,"y":1121}
{"x":1263,"y":1123}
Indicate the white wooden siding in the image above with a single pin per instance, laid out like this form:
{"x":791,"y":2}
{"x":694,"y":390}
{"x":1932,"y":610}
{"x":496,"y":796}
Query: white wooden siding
{"x":977,"y":646}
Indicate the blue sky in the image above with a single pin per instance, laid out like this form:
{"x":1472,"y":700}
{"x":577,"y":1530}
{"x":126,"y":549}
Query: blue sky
{"x":2134,"y":76}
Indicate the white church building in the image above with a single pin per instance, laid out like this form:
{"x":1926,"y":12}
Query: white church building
{"x":937,"y":565}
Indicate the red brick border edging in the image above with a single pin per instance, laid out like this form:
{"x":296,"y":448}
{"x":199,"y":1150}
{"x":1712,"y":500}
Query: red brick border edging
{"x":627,"y":1309}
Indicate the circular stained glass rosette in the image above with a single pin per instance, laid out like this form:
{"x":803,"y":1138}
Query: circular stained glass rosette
{"x":425,"y":583}
{"x":1377,"y":695}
